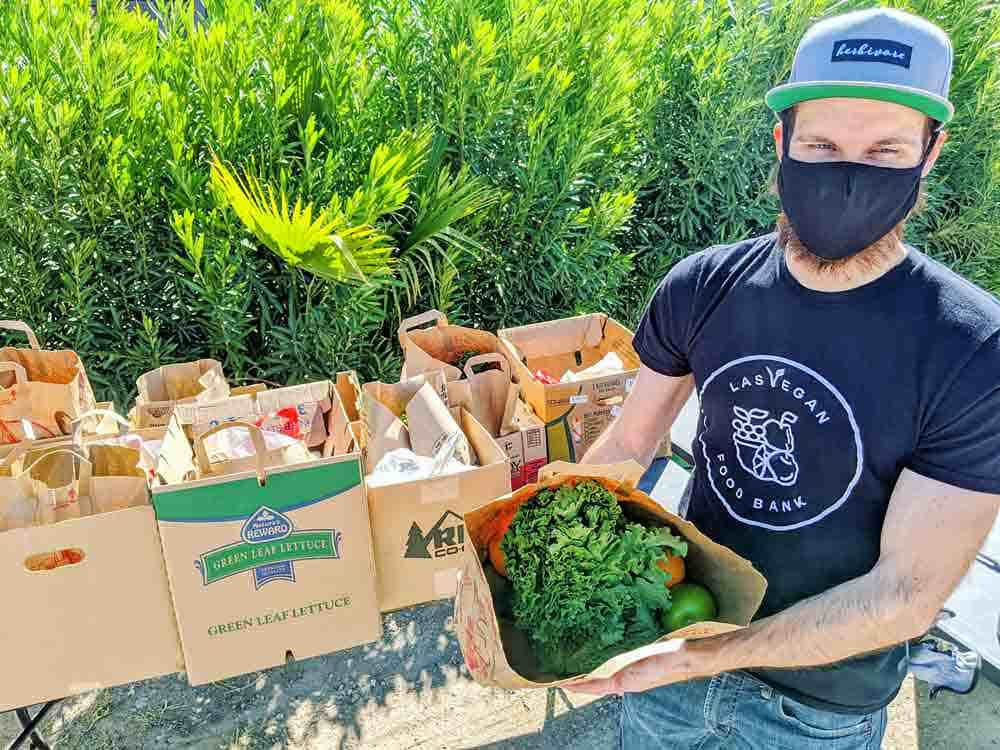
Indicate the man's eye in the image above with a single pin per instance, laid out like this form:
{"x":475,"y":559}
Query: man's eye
{"x":822,"y":146}
{"x":887,"y":150}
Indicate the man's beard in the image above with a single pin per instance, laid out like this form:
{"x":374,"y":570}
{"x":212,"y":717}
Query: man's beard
{"x":879,"y":256}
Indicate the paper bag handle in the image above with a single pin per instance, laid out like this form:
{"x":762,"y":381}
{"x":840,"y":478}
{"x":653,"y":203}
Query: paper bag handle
{"x":86,"y":466}
{"x":77,"y":423}
{"x":20,"y":374}
{"x":256,"y":436}
{"x":430,"y":316}
{"x":17,"y":325}
{"x":628,"y":472}
{"x":489,"y":357}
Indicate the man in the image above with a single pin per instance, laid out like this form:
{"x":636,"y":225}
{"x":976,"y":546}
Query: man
{"x":849,"y":439}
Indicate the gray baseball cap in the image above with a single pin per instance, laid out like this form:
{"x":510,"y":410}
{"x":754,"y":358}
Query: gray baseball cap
{"x":881,"y":53}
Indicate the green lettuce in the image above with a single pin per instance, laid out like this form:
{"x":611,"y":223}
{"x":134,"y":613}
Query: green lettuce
{"x":585,"y":581}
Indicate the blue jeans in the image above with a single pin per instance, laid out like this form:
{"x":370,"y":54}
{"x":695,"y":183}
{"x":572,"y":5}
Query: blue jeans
{"x":735,"y":711}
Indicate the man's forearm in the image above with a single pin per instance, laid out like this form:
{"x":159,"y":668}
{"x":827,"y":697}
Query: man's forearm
{"x":866,"y":614}
{"x":615,"y":445}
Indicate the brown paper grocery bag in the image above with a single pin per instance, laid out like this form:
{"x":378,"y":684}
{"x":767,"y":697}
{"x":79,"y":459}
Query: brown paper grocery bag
{"x":59,"y":480}
{"x":382,"y":408}
{"x":499,"y":655}
{"x":161,"y":390}
{"x":430,"y":425}
{"x":440,"y":346}
{"x":493,"y":397}
{"x":41,"y":391}
{"x":117,"y":481}
{"x":263,"y":457}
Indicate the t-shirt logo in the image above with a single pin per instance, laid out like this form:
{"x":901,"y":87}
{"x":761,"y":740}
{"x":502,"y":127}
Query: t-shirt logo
{"x":872,"y":50}
{"x":781,"y":446}
{"x":765,"y":447}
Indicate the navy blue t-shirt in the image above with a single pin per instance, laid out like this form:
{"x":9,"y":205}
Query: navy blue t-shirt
{"x":812,"y":404}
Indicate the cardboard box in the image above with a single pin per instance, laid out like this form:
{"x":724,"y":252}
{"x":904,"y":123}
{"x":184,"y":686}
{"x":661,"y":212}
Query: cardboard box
{"x":575,"y":414}
{"x":525,"y":447}
{"x":264,"y":572}
{"x":499,"y":655}
{"x":106,"y":620}
{"x":418,"y":528}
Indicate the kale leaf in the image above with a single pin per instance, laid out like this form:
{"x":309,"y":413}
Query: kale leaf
{"x":586,"y":586}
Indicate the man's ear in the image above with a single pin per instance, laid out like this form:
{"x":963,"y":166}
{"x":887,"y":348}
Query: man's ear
{"x":935,"y":152}
{"x":778,"y":130}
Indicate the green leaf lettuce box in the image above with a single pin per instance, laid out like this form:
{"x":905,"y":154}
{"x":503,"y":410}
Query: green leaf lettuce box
{"x":259,"y":573}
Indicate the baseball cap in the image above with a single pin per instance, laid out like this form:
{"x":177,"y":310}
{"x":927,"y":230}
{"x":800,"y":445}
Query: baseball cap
{"x":882,"y":54}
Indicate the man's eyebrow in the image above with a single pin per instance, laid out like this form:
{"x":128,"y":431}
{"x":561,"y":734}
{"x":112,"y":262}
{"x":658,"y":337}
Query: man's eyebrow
{"x":898,"y":139}
{"x":811,"y":137}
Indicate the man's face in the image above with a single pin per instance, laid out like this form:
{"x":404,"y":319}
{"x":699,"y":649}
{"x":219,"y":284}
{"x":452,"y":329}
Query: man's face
{"x":856,"y":130}
{"x":859,"y":130}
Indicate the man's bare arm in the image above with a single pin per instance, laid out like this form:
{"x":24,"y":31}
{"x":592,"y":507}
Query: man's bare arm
{"x":930,"y":538}
{"x":647,"y":415}
{"x":931,"y":535}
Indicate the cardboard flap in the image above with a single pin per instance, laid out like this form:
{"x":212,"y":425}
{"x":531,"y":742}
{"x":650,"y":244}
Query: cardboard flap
{"x":500,"y":655}
{"x":556,"y":337}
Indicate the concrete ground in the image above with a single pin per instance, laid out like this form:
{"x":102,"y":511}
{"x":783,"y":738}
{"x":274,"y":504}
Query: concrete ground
{"x":411,"y":691}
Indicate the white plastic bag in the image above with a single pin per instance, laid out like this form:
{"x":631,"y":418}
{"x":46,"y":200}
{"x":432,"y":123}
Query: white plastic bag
{"x":610,"y":364}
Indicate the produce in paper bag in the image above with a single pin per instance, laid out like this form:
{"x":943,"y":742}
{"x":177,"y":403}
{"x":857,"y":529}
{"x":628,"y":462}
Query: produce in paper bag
{"x":440,"y":347}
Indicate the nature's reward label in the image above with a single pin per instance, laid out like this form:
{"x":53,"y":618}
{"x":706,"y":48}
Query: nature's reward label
{"x":269,"y":547}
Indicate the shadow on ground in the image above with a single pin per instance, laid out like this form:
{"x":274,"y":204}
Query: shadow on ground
{"x":409,"y":690}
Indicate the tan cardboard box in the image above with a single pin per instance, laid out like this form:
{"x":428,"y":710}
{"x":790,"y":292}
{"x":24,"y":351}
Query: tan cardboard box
{"x":418,"y":528}
{"x":575,"y":414}
{"x":499,"y":655}
{"x":262,"y":572}
{"x":525,"y":447}
{"x":106,"y":620}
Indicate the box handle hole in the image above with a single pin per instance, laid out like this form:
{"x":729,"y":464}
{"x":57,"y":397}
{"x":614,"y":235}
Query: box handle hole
{"x":60,"y":558}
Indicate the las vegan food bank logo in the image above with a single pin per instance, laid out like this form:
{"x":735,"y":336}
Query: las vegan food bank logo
{"x":269,"y":547}
{"x":446,"y":537}
{"x":781,"y":447}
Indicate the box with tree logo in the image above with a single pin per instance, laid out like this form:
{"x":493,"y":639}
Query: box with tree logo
{"x":267,"y":560}
{"x":417,"y":524}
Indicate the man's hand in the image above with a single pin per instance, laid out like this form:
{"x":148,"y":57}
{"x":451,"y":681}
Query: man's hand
{"x":646,"y":417}
{"x":931,"y":535}
{"x":679,"y":664}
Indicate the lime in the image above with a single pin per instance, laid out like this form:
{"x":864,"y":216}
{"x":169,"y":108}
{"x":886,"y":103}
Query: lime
{"x":689,"y":603}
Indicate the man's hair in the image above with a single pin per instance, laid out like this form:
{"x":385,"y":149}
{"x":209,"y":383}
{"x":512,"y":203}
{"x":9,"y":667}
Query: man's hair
{"x":787,"y":117}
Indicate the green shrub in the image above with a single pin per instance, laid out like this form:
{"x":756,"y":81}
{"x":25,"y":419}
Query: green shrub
{"x":504,"y":161}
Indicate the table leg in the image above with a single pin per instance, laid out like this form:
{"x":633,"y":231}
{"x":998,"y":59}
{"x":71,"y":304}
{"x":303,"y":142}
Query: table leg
{"x":28,"y":728}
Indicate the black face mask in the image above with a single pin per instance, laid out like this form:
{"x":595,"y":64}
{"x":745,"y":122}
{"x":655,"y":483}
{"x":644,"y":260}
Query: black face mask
{"x":839,"y":208}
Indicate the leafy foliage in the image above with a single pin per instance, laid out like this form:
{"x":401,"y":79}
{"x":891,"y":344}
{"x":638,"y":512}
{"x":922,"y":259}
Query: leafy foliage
{"x":585,"y":580}
{"x":505,"y":161}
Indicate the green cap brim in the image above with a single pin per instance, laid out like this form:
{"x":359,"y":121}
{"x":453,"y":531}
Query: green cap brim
{"x":782,"y":97}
